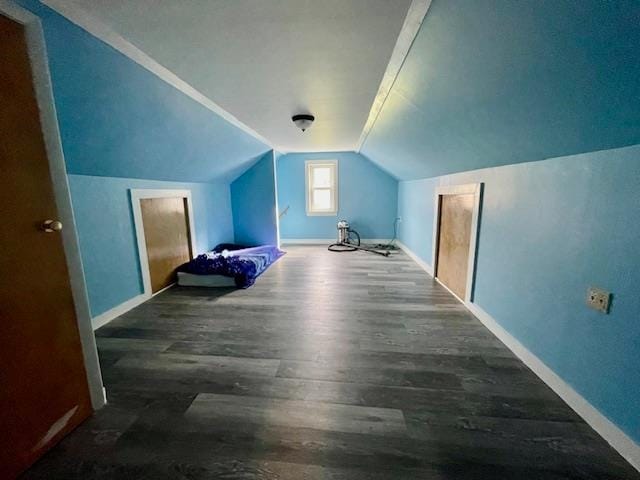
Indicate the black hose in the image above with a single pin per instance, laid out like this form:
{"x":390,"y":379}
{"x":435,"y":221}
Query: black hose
{"x":349,"y":246}
{"x":346,"y":246}
{"x":341,"y":247}
{"x":354,"y":233}
{"x":390,"y":245}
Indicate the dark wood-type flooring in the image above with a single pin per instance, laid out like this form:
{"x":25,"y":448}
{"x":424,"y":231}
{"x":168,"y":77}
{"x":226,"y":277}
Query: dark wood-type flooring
{"x":341,"y":366}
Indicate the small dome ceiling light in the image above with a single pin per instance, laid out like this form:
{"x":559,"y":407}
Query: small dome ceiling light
{"x":303,"y":121}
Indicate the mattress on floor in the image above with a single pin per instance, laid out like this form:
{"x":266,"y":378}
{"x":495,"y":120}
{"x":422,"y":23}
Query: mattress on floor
{"x":244,"y":265}
{"x":191,"y":280}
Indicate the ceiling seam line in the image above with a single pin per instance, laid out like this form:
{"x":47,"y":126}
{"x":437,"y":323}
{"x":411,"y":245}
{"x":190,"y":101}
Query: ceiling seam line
{"x":413,"y":21}
{"x":100,"y":31}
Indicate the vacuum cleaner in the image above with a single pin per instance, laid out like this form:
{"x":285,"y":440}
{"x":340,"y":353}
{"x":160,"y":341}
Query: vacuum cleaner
{"x":349,"y":241}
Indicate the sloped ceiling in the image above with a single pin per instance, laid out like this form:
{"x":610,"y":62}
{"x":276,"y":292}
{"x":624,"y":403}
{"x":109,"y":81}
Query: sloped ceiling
{"x":118,"y":119}
{"x":485,"y":83}
{"x":500,"y":81}
{"x":264,"y":61}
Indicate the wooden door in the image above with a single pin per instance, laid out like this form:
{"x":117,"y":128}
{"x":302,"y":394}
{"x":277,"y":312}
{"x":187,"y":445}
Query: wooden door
{"x":43,"y":385}
{"x":454,"y":239}
{"x":166,"y":234}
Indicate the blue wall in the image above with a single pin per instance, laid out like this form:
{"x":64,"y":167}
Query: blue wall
{"x":496,"y":82}
{"x":367,"y":197}
{"x":549,"y":230}
{"x":108,"y":246}
{"x":253,"y":200}
{"x":416,"y":212}
{"x":117,"y":119}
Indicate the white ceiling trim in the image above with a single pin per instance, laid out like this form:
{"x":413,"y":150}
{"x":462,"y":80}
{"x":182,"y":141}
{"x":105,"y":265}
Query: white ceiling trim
{"x":415,"y":16}
{"x":96,"y":28}
{"x":285,"y":151}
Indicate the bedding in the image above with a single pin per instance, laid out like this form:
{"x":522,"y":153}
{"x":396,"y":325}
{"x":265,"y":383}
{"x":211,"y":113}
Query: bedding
{"x":244,"y":265}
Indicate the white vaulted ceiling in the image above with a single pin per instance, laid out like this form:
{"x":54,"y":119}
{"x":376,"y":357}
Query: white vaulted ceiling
{"x":265,"y":60}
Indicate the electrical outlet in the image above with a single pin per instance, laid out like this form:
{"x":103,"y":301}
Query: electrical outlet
{"x":598,"y":299}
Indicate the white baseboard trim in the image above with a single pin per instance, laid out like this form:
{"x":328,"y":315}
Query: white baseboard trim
{"x":619,"y":440}
{"x":326,"y":241}
{"x":160,"y":291}
{"x":424,"y":265}
{"x":106,"y":317}
{"x":307,"y":241}
{"x":455,"y":295}
{"x":383,"y":241}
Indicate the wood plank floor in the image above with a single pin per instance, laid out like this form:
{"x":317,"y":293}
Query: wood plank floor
{"x":342,"y":366}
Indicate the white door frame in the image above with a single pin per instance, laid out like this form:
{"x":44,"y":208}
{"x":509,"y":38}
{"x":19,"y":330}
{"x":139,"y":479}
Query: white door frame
{"x":138,"y":194}
{"x":275,"y":186}
{"x":53,"y":145}
{"x":474,"y":189}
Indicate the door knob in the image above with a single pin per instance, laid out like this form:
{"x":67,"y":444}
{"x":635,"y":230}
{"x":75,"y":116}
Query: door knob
{"x":50,"y":226}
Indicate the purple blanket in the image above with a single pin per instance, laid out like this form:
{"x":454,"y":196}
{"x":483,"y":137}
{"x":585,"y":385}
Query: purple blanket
{"x":244,"y":265}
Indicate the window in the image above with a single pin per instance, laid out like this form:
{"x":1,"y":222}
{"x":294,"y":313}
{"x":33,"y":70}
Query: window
{"x":322,"y":187}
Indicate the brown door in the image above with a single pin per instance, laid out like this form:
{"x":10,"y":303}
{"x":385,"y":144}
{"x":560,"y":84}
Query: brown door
{"x":43,"y":385}
{"x":166,"y":234}
{"x":454,"y":238}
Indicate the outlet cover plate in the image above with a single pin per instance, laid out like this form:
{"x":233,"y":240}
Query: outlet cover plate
{"x":598,"y":299}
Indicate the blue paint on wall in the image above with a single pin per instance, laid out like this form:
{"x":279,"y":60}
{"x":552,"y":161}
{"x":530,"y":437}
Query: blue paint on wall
{"x":549,"y":230}
{"x":416,"y":212}
{"x":279,"y":210}
{"x":108,"y":245}
{"x":253,"y":200}
{"x":499,"y":82}
{"x":367,"y":197}
{"x":117,"y":119}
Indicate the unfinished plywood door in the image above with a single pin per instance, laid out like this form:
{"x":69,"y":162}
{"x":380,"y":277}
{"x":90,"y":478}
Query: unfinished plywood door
{"x":454,"y":240}
{"x":43,"y":384}
{"x":166,"y":233}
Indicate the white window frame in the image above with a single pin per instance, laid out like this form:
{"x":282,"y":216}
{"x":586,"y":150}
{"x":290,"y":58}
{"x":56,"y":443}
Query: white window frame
{"x":308,"y":167}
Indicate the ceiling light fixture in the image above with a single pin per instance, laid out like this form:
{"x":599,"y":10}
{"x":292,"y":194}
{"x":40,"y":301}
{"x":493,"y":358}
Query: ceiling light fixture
{"x":303,"y":121}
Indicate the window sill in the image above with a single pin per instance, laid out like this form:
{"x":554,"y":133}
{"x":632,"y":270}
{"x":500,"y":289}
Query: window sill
{"x":322,"y":214}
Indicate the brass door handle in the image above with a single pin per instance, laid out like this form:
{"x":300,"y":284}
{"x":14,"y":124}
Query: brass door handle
{"x":50,"y":226}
